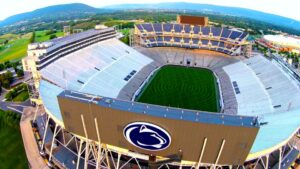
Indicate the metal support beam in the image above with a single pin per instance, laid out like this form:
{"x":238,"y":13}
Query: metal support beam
{"x":87,"y":153}
{"x":267,"y":161}
{"x":99,"y":144}
{"x":202,"y":152}
{"x":118,"y":161}
{"x":280,"y":158}
{"x":86,"y":142}
{"x":107,"y":159}
{"x":37,"y":108}
{"x":45,"y":131}
{"x":51,"y":149}
{"x":220,"y":152}
{"x":79,"y":154}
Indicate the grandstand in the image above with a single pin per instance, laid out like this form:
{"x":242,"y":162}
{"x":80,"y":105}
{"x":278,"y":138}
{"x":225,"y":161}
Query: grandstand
{"x":190,"y":36}
{"x":87,"y":83}
{"x":103,"y":68}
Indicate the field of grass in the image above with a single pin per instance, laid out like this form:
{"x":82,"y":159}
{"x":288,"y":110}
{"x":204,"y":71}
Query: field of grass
{"x":189,"y":88}
{"x":125,"y":32}
{"x":15,"y":49}
{"x":40,"y":36}
{"x":12,"y":152}
{"x":21,"y":97}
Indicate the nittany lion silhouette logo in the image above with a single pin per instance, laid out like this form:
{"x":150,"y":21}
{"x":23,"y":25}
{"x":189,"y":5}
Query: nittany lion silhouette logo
{"x":147,"y":136}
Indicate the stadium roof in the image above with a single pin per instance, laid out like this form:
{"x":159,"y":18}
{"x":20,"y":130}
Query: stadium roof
{"x":283,"y":40}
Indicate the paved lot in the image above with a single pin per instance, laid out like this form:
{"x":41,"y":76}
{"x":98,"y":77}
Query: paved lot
{"x":32,"y":152}
{"x":17,"y":107}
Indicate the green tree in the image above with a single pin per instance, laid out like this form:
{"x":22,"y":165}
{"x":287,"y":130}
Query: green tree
{"x":7,"y":64}
{"x":32,"y":38}
{"x":53,"y":36}
{"x":6,"y":84}
{"x":20,"y":73}
{"x":2,"y":66}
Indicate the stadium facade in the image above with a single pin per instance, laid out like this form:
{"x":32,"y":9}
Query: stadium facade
{"x":86,"y":84}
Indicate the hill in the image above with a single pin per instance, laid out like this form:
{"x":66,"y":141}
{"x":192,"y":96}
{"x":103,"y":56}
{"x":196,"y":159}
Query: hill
{"x":69,"y":12}
{"x":57,"y":12}
{"x":241,"y":12}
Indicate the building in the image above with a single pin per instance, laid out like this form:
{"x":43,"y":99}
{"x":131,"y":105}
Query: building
{"x":87,"y":83}
{"x":192,"y":20}
{"x":283,"y":43}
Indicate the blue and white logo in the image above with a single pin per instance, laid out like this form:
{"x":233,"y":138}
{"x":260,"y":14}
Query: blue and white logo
{"x":147,"y":136}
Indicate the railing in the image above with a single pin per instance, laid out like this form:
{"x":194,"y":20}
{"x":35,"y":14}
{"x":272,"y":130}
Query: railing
{"x":287,"y":68}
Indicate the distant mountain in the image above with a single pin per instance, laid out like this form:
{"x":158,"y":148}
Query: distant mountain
{"x":241,"y":12}
{"x":78,"y":10}
{"x":52,"y":12}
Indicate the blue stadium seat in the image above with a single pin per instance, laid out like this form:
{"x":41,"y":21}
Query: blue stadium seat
{"x":167,"y":27}
{"x":176,"y":39}
{"x":235,"y":34}
{"x":214,"y":43}
{"x":167,"y":38}
{"x":186,"y":40}
{"x":196,"y":29}
{"x":205,"y":30}
{"x":140,"y":27}
{"x":148,"y":27}
{"x":204,"y":42}
{"x":187,"y":28}
{"x":157,"y":27}
{"x":195,"y":41}
{"x":216,"y":31}
{"x":226,"y":32}
{"x":178,"y":28}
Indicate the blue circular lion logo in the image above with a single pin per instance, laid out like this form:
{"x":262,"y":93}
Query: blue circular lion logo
{"x":147,"y":136}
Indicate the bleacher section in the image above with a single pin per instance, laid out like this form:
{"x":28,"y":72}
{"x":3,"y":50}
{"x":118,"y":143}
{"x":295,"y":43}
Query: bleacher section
{"x":261,"y":87}
{"x":222,"y":40}
{"x":99,"y":69}
{"x":283,"y":91}
{"x":251,"y":97}
{"x":50,"y":51}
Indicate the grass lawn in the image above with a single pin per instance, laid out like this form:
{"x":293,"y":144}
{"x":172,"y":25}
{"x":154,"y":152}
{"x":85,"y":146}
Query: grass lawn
{"x":177,"y":86}
{"x":21,"y":97}
{"x":15,"y":49}
{"x":12,"y":152}
{"x":40,"y":36}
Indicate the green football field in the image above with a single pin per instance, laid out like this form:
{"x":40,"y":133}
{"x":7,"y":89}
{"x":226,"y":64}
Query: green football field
{"x":183,"y":87}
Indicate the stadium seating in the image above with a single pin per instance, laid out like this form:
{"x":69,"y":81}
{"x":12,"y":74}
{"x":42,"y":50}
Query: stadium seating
{"x":99,"y":68}
{"x":252,"y":99}
{"x":188,"y":36}
{"x":275,"y":81}
{"x":263,"y":87}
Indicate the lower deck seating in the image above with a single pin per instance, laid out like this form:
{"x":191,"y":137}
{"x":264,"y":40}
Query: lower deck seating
{"x":99,"y":69}
{"x":261,"y":87}
{"x":251,"y":96}
{"x":282,"y":89}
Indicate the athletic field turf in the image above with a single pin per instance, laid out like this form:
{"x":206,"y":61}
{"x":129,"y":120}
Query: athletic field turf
{"x":176,"y":86}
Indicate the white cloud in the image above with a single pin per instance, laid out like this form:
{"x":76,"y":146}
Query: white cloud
{"x":287,"y":8}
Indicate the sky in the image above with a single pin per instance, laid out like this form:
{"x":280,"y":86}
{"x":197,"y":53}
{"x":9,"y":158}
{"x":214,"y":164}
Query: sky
{"x":287,"y":8}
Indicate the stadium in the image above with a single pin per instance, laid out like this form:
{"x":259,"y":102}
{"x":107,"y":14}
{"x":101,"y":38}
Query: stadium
{"x":182,"y":95}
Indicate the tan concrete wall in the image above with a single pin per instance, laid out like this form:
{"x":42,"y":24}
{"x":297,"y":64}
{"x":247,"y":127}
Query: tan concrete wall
{"x":186,"y":135}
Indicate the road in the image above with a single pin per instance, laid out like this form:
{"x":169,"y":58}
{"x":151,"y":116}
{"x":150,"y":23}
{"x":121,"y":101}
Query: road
{"x":14,"y":106}
{"x":32,"y":152}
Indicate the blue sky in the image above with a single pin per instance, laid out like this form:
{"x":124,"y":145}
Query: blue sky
{"x":287,"y":8}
